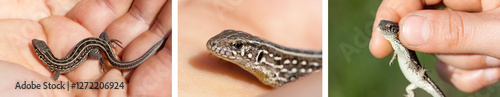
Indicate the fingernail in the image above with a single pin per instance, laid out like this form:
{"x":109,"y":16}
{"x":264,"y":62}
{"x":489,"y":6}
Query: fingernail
{"x":491,"y":75}
{"x":491,"y":61}
{"x":416,"y":30}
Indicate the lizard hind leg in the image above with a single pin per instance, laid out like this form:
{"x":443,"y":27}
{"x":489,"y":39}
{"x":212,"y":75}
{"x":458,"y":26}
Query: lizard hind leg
{"x":425,"y":69}
{"x":104,"y":36}
{"x":409,"y":90}
{"x":94,"y":53}
{"x":101,"y":63}
{"x":117,"y":42}
{"x":421,"y":71}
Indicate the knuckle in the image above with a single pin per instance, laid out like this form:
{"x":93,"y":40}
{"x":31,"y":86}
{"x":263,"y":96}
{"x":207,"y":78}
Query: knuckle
{"x":453,"y":31}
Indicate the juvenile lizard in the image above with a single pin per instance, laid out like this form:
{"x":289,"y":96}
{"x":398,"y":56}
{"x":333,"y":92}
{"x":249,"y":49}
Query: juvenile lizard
{"x":88,"y":47}
{"x":272,"y":64}
{"x":408,"y":62}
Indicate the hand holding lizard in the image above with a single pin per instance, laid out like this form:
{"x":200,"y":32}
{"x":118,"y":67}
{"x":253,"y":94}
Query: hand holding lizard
{"x":464,"y":42}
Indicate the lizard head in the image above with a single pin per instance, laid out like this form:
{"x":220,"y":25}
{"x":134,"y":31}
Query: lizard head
{"x":243,"y":50}
{"x":388,"y":29}
{"x":234,"y":46}
{"x":42,"y":51}
{"x":40,"y":46}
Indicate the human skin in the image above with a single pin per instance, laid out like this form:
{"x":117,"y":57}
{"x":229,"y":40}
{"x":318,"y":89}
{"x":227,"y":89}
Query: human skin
{"x":62,"y":24}
{"x":463,"y":37}
{"x":295,"y":24}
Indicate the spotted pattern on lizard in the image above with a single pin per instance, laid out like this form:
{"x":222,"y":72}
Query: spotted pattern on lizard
{"x":272,"y":64}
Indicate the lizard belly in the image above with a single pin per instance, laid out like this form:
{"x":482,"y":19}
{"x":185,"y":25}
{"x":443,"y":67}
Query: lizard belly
{"x":405,"y":66}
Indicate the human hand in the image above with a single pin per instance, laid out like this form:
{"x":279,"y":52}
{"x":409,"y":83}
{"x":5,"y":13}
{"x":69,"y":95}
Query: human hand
{"x":132,"y":26}
{"x":461,"y":37}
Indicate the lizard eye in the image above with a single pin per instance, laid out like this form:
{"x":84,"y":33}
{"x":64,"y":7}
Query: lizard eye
{"x":237,"y":45}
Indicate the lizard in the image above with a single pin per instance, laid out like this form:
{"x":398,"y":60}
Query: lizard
{"x":408,"y":62}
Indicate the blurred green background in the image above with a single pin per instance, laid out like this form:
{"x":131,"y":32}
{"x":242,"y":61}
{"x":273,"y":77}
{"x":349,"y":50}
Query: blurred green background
{"x":354,"y":72}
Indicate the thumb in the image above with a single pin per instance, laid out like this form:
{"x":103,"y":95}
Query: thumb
{"x":438,"y":31}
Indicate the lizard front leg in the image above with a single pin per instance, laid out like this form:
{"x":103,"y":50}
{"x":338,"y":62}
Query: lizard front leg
{"x":393,"y":58}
